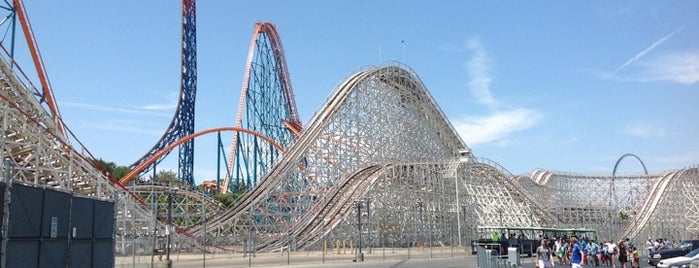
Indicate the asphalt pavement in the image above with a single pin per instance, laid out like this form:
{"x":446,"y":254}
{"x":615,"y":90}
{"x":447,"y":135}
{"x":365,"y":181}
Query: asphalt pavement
{"x":376,"y":259}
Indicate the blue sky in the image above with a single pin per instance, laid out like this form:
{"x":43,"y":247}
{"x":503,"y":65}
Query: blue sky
{"x":558,"y":85}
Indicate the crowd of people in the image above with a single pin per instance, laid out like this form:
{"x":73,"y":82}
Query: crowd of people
{"x":658,"y":244}
{"x":578,"y":253}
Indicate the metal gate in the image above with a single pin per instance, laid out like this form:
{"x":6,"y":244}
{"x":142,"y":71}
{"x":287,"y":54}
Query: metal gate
{"x":50,"y":228}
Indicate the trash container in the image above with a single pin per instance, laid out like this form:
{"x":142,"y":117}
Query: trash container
{"x":513,"y":256}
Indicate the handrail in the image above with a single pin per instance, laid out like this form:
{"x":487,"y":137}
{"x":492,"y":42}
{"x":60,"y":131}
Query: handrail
{"x":496,"y":165}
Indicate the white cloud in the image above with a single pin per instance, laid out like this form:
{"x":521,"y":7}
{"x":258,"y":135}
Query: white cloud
{"x":171,"y":103}
{"x":479,"y":69}
{"x":116,"y":126}
{"x":678,"y":67}
{"x":649,"y":49}
{"x":124,"y":128}
{"x":104,"y":108}
{"x":159,"y":107}
{"x":501,"y":123}
{"x":645,"y":130}
{"x":496,"y":127}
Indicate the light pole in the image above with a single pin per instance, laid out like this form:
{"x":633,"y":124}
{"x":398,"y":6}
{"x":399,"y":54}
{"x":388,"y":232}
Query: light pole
{"x":419,"y":204}
{"x":169,"y":229}
{"x":458,"y":217}
{"x":431,"y":229}
{"x":467,"y":225}
{"x":154,"y":207}
{"x":368,"y":223}
{"x":288,"y":256}
{"x":358,"y":204}
{"x":203,"y":211}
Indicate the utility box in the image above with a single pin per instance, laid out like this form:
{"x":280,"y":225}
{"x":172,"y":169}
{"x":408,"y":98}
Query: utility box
{"x":513,"y":256}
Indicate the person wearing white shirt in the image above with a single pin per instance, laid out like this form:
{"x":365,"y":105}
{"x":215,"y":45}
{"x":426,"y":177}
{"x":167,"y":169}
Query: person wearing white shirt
{"x":611,"y":252}
{"x":650,"y":245}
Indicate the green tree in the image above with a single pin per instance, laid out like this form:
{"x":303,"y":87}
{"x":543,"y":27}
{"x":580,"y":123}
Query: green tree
{"x":101,"y":165}
{"x":110,"y":168}
{"x":229,"y":199}
{"x":623,"y":216}
{"x":121,"y":171}
{"x":226,"y":199}
{"x":240,"y":190}
{"x":167,"y":177}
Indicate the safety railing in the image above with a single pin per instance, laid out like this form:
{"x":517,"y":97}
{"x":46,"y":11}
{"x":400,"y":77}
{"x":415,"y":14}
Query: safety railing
{"x":488,"y":259}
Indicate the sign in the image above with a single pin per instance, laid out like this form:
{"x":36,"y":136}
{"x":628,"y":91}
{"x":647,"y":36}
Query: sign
{"x":54,"y":227}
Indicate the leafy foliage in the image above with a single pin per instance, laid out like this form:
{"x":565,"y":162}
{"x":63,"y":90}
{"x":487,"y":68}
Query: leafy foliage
{"x":120,"y":171}
{"x":229,"y":199}
{"x":110,"y":168}
{"x":623,"y":216}
{"x":226,"y":199}
{"x":168,"y":177}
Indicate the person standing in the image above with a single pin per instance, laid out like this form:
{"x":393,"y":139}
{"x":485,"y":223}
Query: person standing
{"x":612,"y":252}
{"x":623,"y":253}
{"x":559,"y":250}
{"x":577,"y":254}
{"x":594,"y":250}
{"x":633,"y":257}
{"x":603,"y":253}
{"x":544,"y":255}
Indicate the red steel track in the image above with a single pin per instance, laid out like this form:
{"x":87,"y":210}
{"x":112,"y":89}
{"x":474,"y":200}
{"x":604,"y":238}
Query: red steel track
{"x":38,"y":63}
{"x":169,"y":148}
{"x":283,"y":73}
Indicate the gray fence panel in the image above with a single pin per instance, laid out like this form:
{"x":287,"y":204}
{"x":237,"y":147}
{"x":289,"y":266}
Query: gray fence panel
{"x":81,"y":214}
{"x":104,"y":219}
{"x":103,"y":253}
{"x":21,"y":253}
{"x":81,"y":254}
{"x":56,"y":206}
{"x":50,"y":228}
{"x":54,"y":253}
{"x":25,"y":211}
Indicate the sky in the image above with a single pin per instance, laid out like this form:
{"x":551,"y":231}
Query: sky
{"x":558,"y":85}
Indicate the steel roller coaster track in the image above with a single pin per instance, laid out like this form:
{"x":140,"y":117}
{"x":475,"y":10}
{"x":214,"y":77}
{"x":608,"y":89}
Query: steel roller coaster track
{"x":182,"y":123}
{"x":380,"y":139}
{"x":266,"y":106}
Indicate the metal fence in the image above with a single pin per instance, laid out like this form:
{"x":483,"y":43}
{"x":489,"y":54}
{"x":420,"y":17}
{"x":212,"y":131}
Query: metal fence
{"x":43,"y":227}
{"x":490,"y":258}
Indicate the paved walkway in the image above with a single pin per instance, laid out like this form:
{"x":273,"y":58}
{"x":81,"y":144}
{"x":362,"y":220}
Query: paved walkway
{"x":391,"y":258}
{"x":417,"y":257}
